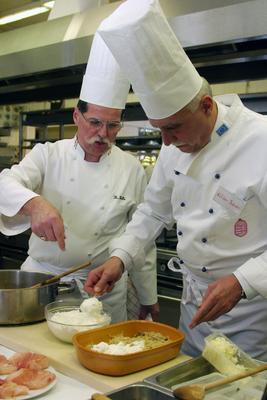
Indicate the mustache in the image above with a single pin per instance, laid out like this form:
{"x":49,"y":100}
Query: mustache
{"x":99,"y":139}
{"x":177,"y":143}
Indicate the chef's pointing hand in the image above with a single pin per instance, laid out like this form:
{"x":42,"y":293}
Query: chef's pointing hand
{"x":220,"y":297}
{"x":46,"y":222}
{"x":103,"y":278}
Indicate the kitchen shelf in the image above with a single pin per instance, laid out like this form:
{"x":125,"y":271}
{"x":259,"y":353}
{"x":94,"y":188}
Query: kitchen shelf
{"x":5,"y":131}
{"x":58,"y":118}
{"x":139,"y":143}
{"x":138,"y":148}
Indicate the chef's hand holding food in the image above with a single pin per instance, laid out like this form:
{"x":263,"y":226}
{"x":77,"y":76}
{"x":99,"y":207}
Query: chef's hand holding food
{"x":103,"y":278}
{"x":46,"y":222}
{"x":220,"y":297}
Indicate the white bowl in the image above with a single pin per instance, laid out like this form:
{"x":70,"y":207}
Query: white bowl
{"x":65,"y":331}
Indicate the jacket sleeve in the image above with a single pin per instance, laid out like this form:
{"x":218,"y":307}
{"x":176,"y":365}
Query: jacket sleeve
{"x":252,"y":275}
{"x":17,"y":186}
{"x":149,"y":219}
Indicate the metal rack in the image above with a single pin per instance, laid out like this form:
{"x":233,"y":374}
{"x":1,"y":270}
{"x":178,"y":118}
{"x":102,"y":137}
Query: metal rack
{"x":43,"y":119}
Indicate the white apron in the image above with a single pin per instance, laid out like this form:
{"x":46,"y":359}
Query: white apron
{"x":245,"y":324}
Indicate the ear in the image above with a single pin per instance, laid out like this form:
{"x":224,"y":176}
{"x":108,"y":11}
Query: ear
{"x":207,"y":104}
{"x":75,"y":115}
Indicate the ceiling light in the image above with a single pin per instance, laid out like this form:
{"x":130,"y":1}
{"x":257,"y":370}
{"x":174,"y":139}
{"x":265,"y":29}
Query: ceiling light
{"x":27,"y":13}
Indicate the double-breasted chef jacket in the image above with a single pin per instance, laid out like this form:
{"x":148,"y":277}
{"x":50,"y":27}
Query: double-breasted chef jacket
{"x":95,"y":200}
{"x":218,"y":199}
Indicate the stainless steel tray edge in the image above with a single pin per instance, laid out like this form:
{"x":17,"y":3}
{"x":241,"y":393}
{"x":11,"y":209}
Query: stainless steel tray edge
{"x":188,"y":370}
{"x":140,"y":390}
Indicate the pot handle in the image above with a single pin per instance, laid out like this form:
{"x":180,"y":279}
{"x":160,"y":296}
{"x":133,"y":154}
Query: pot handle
{"x":66,"y":287}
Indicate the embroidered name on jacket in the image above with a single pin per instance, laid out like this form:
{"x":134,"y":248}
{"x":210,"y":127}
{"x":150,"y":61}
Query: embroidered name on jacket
{"x":118,"y":197}
{"x":229,"y":200}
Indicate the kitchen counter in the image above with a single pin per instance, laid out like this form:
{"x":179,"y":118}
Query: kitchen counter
{"x":37,"y":338}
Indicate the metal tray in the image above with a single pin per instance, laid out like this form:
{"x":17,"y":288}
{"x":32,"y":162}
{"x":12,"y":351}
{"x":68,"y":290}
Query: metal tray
{"x":200,"y":370}
{"x":184,"y":372}
{"x":139,"y":390}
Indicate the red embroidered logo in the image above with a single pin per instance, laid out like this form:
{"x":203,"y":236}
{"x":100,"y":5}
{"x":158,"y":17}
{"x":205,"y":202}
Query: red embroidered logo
{"x":241,"y":228}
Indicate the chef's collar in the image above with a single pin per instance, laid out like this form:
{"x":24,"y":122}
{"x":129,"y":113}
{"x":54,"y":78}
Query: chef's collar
{"x":81,"y":153}
{"x":221,"y":127}
{"x":186,"y":159}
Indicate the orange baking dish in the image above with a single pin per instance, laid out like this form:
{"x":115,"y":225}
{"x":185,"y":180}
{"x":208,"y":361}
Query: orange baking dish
{"x":118,"y":365}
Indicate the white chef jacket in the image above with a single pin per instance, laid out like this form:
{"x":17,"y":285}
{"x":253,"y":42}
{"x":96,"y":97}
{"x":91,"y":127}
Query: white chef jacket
{"x":95,"y":200}
{"x":218,"y":199}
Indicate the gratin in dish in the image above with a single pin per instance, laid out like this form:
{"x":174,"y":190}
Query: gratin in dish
{"x":123,"y":364}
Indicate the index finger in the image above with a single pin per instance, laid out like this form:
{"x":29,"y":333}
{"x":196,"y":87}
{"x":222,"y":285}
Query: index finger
{"x":104,"y":285}
{"x":201,"y":313}
{"x":59,"y":232}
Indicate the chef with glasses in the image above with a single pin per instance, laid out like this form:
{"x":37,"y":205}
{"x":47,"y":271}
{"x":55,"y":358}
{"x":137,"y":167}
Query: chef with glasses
{"x":78,"y":194}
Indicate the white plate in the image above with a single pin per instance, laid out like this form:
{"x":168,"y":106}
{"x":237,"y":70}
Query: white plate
{"x":38,"y":392}
{"x":32,"y":393}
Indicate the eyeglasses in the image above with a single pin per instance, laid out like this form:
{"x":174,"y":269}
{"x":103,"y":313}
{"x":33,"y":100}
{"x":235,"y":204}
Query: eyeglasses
{"x":97,"y":124}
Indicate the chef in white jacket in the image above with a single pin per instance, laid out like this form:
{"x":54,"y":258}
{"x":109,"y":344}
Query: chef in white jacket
{"x":210,"y":178}
{"x":77,"y":194}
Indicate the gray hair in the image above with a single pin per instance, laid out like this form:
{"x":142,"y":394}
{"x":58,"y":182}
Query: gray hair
{"x":204,"y":90}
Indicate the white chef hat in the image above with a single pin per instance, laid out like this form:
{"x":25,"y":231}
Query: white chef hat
{"x":104,"y":83}
{"x":144,"y":45}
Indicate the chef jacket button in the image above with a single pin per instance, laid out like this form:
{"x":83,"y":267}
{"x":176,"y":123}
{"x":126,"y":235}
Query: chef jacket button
{"x":182,"y":204}
{"x":68,"y":202}
{"x":204,"y":269}
{"x":180,"y":233}
{"x":72,"y":179}
{"x":102,"y":208}
{"x":96,"y":234}
{"x":181,"y":261}
{"x":162,"y":267}
{"x":204,"y":240}
{"x":217,"y":176}
{"x":176,"y":172}
{"x":211,"y":211}
{"x":105,"y":186}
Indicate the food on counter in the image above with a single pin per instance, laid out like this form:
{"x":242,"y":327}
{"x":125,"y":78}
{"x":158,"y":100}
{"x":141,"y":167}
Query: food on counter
{"x":29,"y":360}
{"x":23,"y":372}
{"x":6,"y":367}
{"x":22,"y":360}
{"x":92,"y":307}
{"x":64,"y":319}
{"x":32,"y":378}
{"x":120,"y":344}
{"x":119,"y":348}
{"x":89,"y":313}
{"x":10,"y":390}
{"x":223,"y":355}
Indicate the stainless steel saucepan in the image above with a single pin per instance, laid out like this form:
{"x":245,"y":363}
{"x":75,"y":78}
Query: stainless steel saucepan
{"x":19,"y":302}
